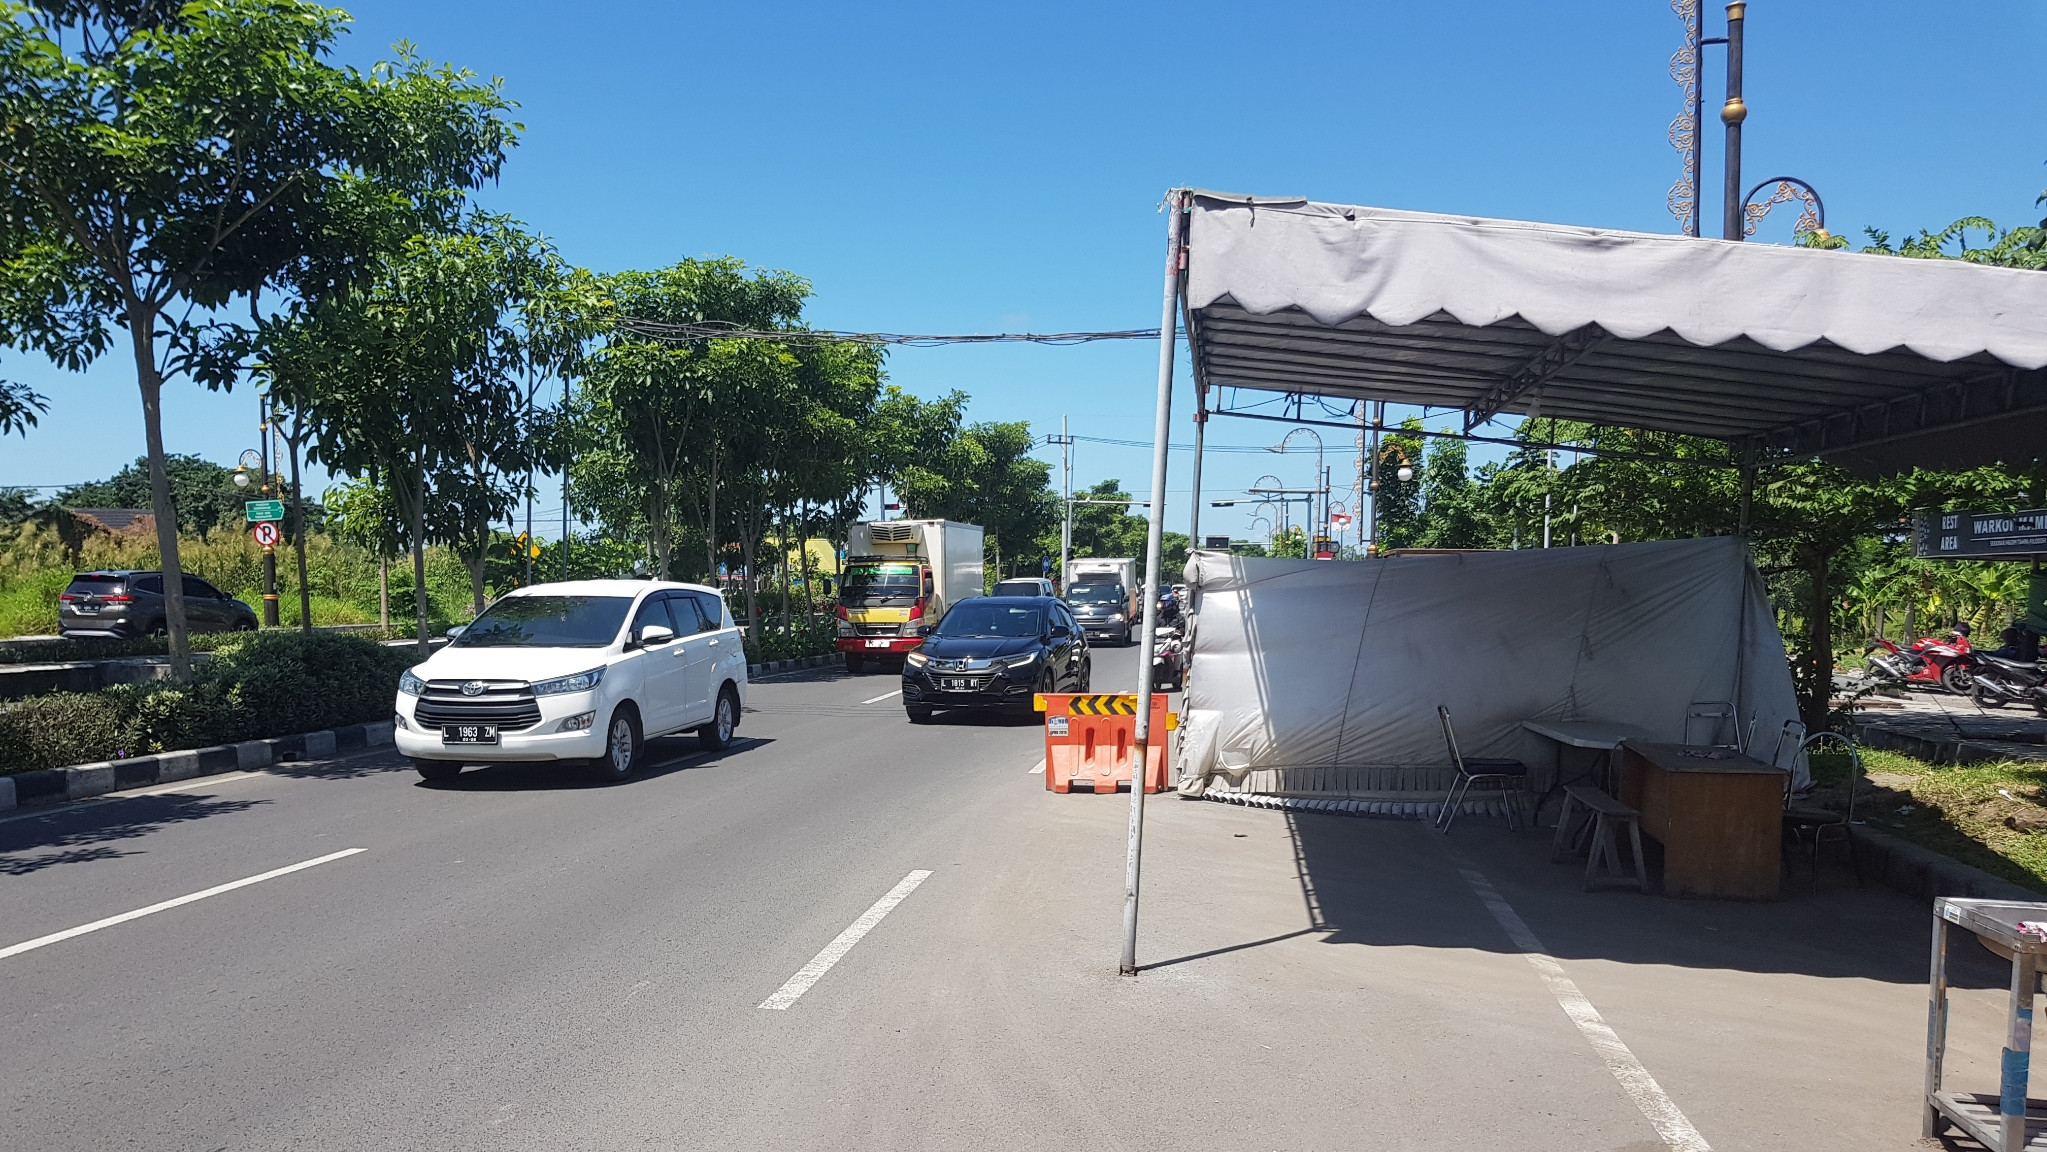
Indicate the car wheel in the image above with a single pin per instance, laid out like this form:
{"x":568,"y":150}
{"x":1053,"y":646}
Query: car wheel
{"x":621,"y":747}
{"x":437,"y":771}
{"x":1957,"y":680}
{"x":245,"y":625}
{"x":158,"y":628}
{"x":918,"y":713}
{"x":854,"y":663}
{"x":717,"y":735}
{"x":1087,"y":677}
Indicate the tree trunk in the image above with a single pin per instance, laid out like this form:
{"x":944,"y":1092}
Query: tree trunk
{"x":785,"y":575}
{"x":711,"y":528}
{"x":384,"y":592}
{"x":660,"y":534}
{"x":298,"y":513}
{"x":753,"y":616}
{"x":142,"y":336}
{"x":475,"y":565}
{"x":1816,"y":693}
{"x":417,"y":523}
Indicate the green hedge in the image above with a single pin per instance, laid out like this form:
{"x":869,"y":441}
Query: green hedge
{"x":257,"y":684}
{"x":813,"y":637}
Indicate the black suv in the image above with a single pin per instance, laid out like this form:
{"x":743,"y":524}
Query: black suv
{"x":131,"y":604}
{"x":996,"y":652}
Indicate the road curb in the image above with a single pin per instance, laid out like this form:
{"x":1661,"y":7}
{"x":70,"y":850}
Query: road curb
{"x":1922,"y":872}
{"x":773,"y":666}
{"x":80,"y":781}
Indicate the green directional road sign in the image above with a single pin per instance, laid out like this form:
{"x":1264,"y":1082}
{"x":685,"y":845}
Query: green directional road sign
{"x":260,"y":510}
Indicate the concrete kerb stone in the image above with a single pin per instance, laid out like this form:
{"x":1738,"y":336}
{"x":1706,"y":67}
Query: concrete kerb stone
{"x":81,"y":781}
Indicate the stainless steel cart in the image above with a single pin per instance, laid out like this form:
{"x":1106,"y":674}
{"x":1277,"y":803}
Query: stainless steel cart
{"x":2007,"y":1121}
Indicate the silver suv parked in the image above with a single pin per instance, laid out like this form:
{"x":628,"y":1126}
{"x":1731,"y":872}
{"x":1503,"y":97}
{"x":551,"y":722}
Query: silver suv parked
{"x":131,"y":603}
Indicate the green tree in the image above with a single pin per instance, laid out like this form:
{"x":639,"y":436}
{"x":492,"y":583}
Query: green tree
{"x":203,"y":493}
{"x":165,"y":159}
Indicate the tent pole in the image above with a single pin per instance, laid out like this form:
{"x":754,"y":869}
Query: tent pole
{"x":1162,"y":427}
{"x":1748,"y":485}
{"x":1200,"y":427}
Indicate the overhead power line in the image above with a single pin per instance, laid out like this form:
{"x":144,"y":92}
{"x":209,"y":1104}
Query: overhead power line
{"x":718,"y":330}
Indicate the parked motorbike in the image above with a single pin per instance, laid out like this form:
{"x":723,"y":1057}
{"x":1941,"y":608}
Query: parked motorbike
{"x":1931,"y":661}
{"x":1169,"y":661}
{"x":1997,"y":682}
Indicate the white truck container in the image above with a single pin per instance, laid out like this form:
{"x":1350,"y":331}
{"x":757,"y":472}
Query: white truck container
{"x":1103,"y":571}
{"x":900,"y":577}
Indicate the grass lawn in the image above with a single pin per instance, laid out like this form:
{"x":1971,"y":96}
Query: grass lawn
{"x":1992,"y":816}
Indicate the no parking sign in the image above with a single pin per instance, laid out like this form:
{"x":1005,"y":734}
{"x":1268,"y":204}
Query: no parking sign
{"x":266,"y":533}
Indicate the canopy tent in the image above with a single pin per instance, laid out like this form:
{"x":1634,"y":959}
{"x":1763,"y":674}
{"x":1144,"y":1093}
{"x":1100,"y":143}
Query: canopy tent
{"x":1876,"y":362}
{"x":1312,"y":665}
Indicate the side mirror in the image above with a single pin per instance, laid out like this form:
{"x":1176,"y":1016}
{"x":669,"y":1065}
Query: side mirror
{"x":652,"y":634}
{"x":1061,"y":632}
{"x":457,"y":630}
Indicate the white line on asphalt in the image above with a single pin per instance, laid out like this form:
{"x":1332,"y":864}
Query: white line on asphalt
{"x":1661,"y":1112}
{"x":822,"y":963}
{"x":884,"y":696}
{"x":123,"y":918}
{"x":189,"y":785}
{"x":1036,"y":768}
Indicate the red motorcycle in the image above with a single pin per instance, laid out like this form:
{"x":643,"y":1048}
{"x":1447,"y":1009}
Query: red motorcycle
{"x":1942,"y":662}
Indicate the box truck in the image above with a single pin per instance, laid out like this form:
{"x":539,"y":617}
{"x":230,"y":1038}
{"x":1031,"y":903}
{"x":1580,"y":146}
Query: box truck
{"x":900,"y":577}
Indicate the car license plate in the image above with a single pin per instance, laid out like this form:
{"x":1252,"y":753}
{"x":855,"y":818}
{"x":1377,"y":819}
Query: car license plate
{"x":877,"y":643}
{"x":956,"y":684}
{"x":86,"y":609}
{"x":469,"y":734}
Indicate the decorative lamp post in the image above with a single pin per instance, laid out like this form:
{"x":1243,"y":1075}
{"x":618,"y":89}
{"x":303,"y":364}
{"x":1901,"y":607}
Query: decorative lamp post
{"x":1739,"y":214}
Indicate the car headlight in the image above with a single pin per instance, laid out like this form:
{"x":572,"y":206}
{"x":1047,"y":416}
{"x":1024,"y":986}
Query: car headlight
{"x":410,"y":684}
{"x":847,"y":629}
{"x":1023,"y":661}
{"x":580,"y":682}
{"x":916,"y":659}
{"x":1116,"y":619}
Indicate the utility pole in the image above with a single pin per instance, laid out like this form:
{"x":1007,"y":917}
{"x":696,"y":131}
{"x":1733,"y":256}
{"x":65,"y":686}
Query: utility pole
{"x":1065,"y":442}
{"x":1200,"y":427}
{"x":1372,"y":484}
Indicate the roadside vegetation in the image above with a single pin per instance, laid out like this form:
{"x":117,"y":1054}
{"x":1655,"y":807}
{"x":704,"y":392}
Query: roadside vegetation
{"x":255,"y":685}
{"x":1992,"y":816}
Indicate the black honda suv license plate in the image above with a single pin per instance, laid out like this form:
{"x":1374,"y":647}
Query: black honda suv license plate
{"x":469,"y":734}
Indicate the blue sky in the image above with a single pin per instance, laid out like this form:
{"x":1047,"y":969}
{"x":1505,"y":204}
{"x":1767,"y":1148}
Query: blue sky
{"x":983,"y":168}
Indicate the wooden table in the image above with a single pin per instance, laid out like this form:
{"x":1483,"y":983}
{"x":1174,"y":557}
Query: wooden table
{"x":1717,"y":813}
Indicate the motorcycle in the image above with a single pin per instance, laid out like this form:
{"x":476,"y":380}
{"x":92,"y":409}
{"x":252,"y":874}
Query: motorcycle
{"x":1169,"y":661}
{"x":1998,"y":682}
{"x":1930,"y":661}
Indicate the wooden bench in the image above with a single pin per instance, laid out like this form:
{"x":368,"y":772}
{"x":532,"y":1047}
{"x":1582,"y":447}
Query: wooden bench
{"x":1602,"y":815}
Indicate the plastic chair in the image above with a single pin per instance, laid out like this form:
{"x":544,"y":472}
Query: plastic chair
{"x":1823,"y":824}
{"x":1714,"y":713}
{"x":1493,"y":772}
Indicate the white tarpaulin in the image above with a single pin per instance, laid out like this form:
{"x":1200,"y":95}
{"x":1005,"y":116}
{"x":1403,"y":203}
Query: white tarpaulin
{"x":1320,"y":664}
{"x":1879,"y":363}
{"x":1335,"y":262}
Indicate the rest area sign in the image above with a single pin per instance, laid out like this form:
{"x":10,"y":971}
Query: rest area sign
{"x":261,"y":510}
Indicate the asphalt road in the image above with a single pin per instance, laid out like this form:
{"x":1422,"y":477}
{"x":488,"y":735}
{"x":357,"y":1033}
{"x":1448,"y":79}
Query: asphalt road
{"x":522,"y":961}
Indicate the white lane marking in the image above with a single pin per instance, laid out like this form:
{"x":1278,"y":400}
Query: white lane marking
{"x":189,"y":785}
{"x":822,"y":963}
{"x":1657,"y":1107}
{"x":123,"y":918}
{"x":1036,"y":768}
{"x":884,"y":696}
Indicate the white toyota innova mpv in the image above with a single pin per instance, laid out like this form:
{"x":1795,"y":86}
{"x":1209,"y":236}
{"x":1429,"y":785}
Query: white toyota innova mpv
{"x":583,"y":672}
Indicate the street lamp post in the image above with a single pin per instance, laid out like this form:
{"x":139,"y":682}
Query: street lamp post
{"x":1315,"y":526}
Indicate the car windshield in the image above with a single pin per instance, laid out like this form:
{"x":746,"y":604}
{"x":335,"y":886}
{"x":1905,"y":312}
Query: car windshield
{"x":879,"y":583}
{"x":1097,"y":594}
{"x":547,"y":622}
{"x":990,"y":619}
{"x":1017,"y":588}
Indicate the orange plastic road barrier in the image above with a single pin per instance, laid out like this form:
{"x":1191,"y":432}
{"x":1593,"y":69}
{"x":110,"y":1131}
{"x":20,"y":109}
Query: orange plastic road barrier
{"x":1090,"y":738}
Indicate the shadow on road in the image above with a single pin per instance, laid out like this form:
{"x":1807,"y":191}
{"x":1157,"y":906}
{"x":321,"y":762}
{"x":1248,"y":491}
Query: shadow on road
{"x":662,"y":757}
{"x":84,"y":831}
{"x":1393,"y":883}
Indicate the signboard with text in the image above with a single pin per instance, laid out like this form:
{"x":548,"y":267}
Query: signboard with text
{"x":261,"y":510}
{"x":1980,"y":535}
